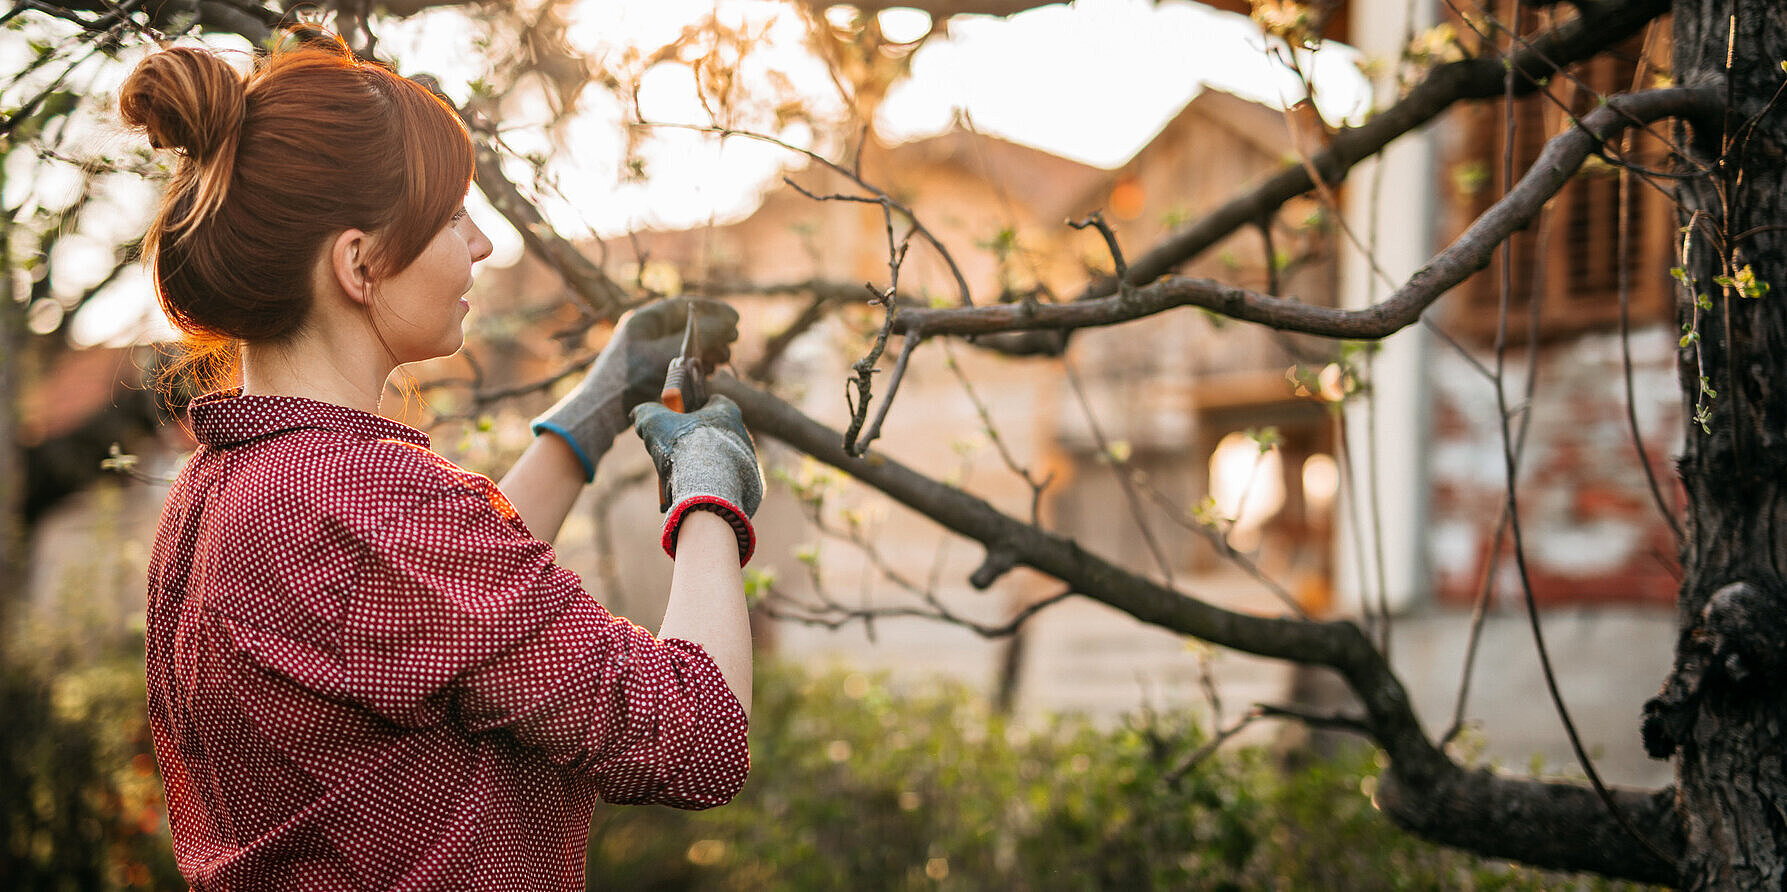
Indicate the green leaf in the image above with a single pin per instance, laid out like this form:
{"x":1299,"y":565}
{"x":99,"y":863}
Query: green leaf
{"x":1267,"y":439}
{"x":1748,"y":285}
{"x":119,"y":461}
{"x":758,"y":584}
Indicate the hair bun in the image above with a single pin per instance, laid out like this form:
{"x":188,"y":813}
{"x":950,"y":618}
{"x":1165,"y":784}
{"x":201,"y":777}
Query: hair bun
{"x":186,"y":99}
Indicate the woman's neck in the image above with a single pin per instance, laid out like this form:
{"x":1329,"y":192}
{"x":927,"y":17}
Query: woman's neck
{"x":316,"y":367}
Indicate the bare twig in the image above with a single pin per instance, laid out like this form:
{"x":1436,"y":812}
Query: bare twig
{"x":986,"y":423}
{"x":778,"y":344}
{"x":483,"y":397}
{"x":1196,"y":757}
{"x":1374,"y":505}
{"x":863,"y":370}
{"x":1333,"y":721}
{"x":603,"y":297}
{"x":1561,"y":72}
{"x":830,"y":615}
{"x":1220,"y":542}
{"x":1207,"y":681}
{"x":1479,"y":615}
{"x":1274,"y":286}
{"x":876,"y":194}
{"x":1445,"y":85}
{"x":861,"y":447}
{"x":1624,"y":235}
{"x":611,"y":492}
{"x":1118,"y":470}
{"x":1096,"y":221}
{"x":861,"y":376}
{"x":1511,"y":462}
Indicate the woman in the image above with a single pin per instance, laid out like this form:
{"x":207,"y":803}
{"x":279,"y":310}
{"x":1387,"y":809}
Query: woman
{"x":365,"y":669}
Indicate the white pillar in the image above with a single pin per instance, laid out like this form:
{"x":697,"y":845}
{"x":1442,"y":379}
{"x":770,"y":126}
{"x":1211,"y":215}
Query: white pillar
{"x":1390,"y":208}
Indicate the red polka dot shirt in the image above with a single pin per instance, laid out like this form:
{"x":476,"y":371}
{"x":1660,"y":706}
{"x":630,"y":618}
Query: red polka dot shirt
{"x":364,"y":673}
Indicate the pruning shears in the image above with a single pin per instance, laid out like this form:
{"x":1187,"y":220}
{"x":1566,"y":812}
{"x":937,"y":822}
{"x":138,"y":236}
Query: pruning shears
{"x":685,"y":389}
{"x":685,"y":382}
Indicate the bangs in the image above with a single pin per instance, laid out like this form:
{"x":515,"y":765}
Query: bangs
{"x":440,"y":162}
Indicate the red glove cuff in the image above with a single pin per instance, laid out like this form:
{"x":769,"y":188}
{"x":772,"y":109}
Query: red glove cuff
{"x":732,"y":514}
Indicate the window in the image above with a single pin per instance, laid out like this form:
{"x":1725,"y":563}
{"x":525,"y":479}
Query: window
{"x":1569,"y":258}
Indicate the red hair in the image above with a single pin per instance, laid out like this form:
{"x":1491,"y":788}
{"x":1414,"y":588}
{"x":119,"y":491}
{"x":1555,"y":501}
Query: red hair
{"x":272,"y":166}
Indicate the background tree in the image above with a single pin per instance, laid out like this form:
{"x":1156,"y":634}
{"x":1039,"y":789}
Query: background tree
{"x":1718,"y":716}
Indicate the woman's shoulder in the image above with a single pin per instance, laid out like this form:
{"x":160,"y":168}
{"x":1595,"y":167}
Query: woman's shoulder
{"x":355,"y":479}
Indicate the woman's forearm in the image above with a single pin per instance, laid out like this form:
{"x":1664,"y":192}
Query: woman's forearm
{"x":707,"y":599}
{"x":543,"y":485}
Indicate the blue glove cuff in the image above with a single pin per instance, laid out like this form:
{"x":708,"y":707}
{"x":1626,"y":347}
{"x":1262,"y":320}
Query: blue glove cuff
{"x":589,"y":467}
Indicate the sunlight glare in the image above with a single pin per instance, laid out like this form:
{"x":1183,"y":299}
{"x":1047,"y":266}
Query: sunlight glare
{"x":1095,"y":81}
{"x":118,"y":315}
{"x":1248,"y":486}
{"x":78,"y":262}
{"x":903,"y":24}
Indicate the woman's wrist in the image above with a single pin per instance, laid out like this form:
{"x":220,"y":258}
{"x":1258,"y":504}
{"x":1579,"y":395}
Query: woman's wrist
{"x":737,"y":522}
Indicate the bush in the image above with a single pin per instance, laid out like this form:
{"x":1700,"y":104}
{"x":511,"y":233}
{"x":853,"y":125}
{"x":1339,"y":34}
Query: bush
{"x":80,"y":802}
{"x":857,"y":787}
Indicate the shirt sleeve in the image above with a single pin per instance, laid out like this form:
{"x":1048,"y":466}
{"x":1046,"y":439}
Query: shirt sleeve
{"x":458,"y":610}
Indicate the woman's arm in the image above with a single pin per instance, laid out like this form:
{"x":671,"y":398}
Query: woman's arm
{"x":543,"y":485}
{"x":707,"y":599}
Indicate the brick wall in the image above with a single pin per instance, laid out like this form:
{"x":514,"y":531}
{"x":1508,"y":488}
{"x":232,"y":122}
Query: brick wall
{"x":1591,"y":527}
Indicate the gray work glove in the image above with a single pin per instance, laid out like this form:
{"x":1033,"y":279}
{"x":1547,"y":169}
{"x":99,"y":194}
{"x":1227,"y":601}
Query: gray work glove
{"x":630,"y":371}
{"x":705,"y":462}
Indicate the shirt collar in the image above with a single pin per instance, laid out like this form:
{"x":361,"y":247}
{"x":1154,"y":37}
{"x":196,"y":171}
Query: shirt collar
{"x":227,"y":418}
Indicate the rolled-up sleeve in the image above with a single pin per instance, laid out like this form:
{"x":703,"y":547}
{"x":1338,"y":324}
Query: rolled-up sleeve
{"x":456,"y":613}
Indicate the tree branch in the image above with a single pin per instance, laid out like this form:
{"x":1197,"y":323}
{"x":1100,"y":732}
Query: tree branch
{"x":1535,"y":822}
{"x":599,"y":293}
{"x":1543,"y":823}
{"x":1573,"y":41}
{"x":1468,"y":254}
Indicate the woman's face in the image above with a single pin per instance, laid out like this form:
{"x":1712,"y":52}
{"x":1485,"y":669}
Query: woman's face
{"x":420,"y":311}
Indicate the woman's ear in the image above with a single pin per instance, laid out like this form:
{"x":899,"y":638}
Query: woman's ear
{"x":347,"y":264}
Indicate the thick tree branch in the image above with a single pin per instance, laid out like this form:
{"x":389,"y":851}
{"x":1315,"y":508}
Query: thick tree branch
{"x":599,"y":293}
{"x":244,"y":17}
{"x":1542,"y":823}
{"x":1468,"y":254}
{"x":1601,"y":26}
{"x":1431,"y":792}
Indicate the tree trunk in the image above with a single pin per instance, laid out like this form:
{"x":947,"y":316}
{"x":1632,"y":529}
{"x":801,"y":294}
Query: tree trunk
{"x":1722,"y":713}
{"x":12,"y":463}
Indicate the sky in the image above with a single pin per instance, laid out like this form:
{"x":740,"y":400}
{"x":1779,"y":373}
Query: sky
{"x":1092,"y":81}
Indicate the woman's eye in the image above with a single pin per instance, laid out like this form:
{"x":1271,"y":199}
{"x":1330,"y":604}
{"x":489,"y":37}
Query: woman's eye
{"x":459,"y":215}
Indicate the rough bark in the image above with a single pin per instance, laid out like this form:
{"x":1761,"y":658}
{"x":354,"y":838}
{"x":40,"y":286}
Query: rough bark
{"x":1722,"y":712}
